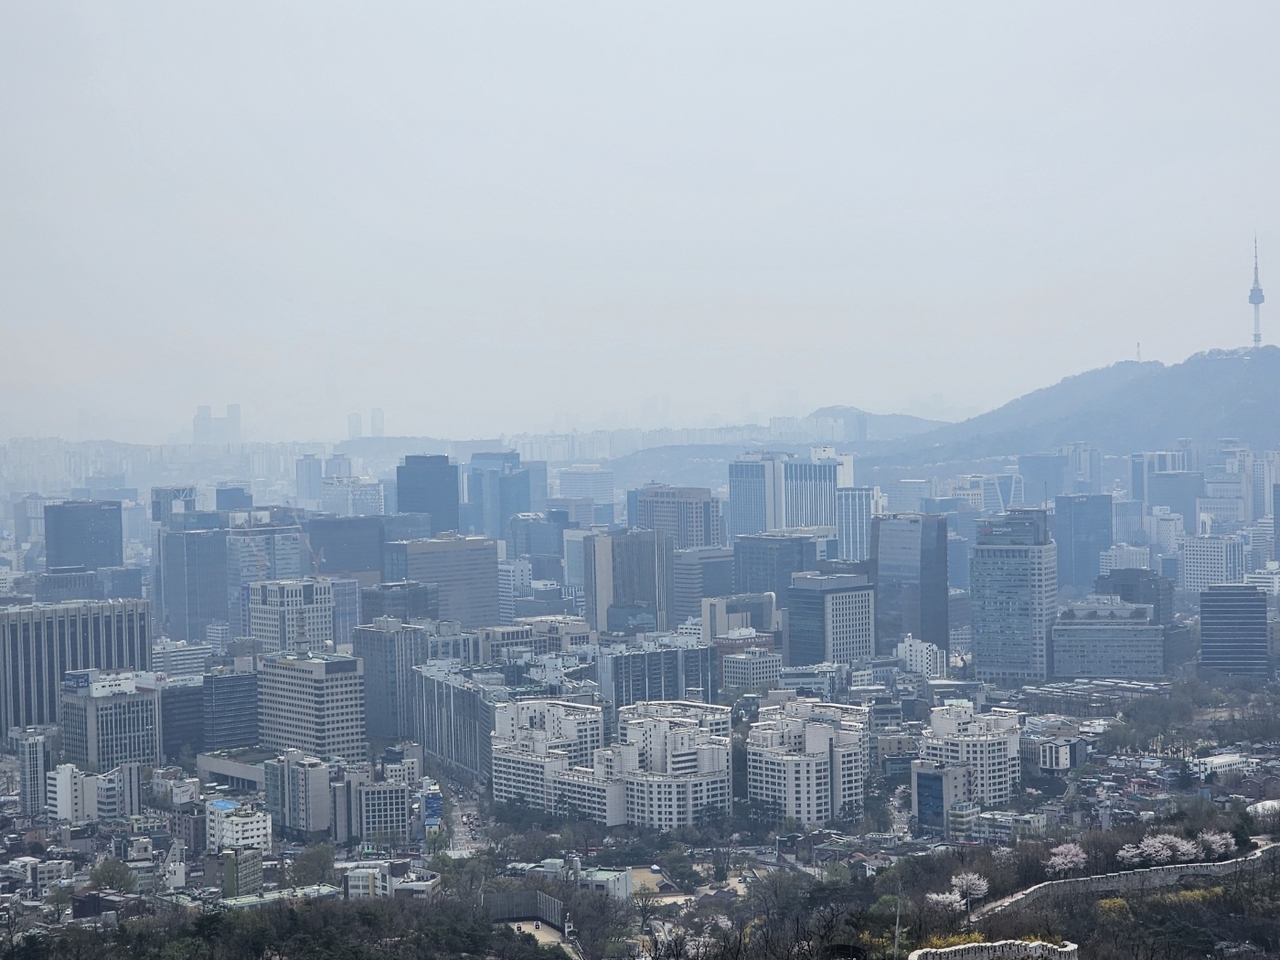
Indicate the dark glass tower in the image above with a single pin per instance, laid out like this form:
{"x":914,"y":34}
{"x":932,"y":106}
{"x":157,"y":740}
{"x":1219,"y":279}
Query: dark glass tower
{"x":84,"y":533}
{"x":429,"y":484}
{"x":1233,"y":631}
{"x":1082,"y":527}
{"x":909,"y":570}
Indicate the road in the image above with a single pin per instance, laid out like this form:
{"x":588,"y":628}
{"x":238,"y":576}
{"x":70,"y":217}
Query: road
{"x":461,"y":842}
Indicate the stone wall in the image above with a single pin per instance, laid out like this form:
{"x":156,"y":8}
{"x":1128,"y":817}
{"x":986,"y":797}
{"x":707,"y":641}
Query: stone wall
{"x":1000,"y":950}
{"x":1149,"y":878}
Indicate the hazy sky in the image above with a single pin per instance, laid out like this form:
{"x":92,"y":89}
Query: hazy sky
{"x":491,"y":218}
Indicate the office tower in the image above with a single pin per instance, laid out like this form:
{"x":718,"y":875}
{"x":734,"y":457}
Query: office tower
{"x":68,"y":583}
{"x":909,"y":556}
{"x":464,"y":570}
{"x":265,"y":551}
{"x":351,"y":496}
{"x":120,"y":582}
{"x":1127,"y":520}
{"x":108,"y":719}
{"x":1233,"y":631}
{"x":347,"y":611}
{"x":347,"y":547}
{"x":297,"y":796}
{"x":377,"y":423}
{"x":1104,"y":637}
{"x":986,"y":743}
{"x":1044,"y":477}
{"x":337,"y":465}
{"x":404,"y":600}
{"x":232,"y":497}
{"x":1013,"y":596}
{"x":588,"y":481}
{"x":382,"y":813}
{"x":291,"y":616}
{"x":166,"y":501}
{"x":855,"y":509}
{"x":765,"y":562}
{"x":1208,"y":560}
{"x":1177,"y":490}
{"x":454,"y":722}
{"x":957,"y":563}
{"x":1143,"y":465}
{"x":194,"y":565}
{"x":355,"y":426}
{"x":38,"y":644}
{"x":667,"y":668}
{"x":498,"y":488}
{"x":429,"y":484}
{"x":181,"y":714}
{"x":831,"y":619}
{"x":230,"y":708}
{"x":208,"y":429}
{"x":756,"y":493}
{"x":628,"y":581}
{"x":698,"y":574}
{"x":1123,"y":557}
{"x":84,"y":533}
{"x":314,"y":703}
{"x":308,"y":475}
{"x":1144,"y":587}
{"x":755,"y":669}
{"x":390,"y":649}
{"x":936,"y":790}
{"x":33,"y":766}
{"x":756,"y":611}
{"x":808,"y":761}
{"x":809,"y":487}
{"x":180,"y":658}
{"x":1081,"y":526}
{"x":690,"y":516}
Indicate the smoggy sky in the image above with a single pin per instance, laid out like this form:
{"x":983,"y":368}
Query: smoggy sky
{"x":489,"y":218}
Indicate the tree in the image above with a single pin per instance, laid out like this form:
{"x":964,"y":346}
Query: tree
{"x":646,"y":904}
{"x":970,"y":886}
{"x":313,"y":865}
{"x":1066,"y":859}
{"x":113,"y":874}
{"x":59,"y":897}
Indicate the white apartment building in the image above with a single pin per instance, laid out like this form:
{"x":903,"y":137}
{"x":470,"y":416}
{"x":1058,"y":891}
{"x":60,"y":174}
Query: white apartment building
{"x":78,"y":797}
{"x":807,"y":760}
{"x":1205,"y":561}
{"x":291,"y":616}
{"x":313,"y":703}
{"x":1124,"y":557}
{"x":669,"y":765}
{"x":922,"y":657}
{"x":228,"y":824}
{"x":987,"y":743}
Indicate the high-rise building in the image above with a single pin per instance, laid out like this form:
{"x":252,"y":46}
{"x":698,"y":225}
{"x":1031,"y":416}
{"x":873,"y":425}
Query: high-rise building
{"x":588,"y":481}
{"x":109,"y":719}
{"x":390,"y":649}
{"x":498,"y":488}
{"x":756,"y":501}
{"x":856,"y":508}
{"x":666,"y":668}
{"x":297,"y":795}
{"x":807,"y":761}
{"x":377,"y":423}
{"x":698,"y":574}
{"x":1140,"y":586}
{"x":464,"y":570}
{"x":314,"y":703}
{"x":84,"y":533}
{"x":765,"y":562}
{"x":347,"y":613}
{"x":230,"y":709}
{"x":181,"y":715}
{"x":208,"y":429}
{"x":347,"y":547}
{"x":831,"y":619}
{"x":756,"y":611}
{"x":180,"y":658}
{"x":909,"y":570}
{"x":382,"y":813}
{"x":1208,"y":560}
{"x":308,"y":476}
{"x":39,"y":643}
{"x":1233,"y":631}
{"x":429,"y":484}
{"x":166,"y":501}
{"x":404,"y":600}
{"x":690,"y":516}
{"x":628,"y":581}
{"x":263,"y":551}
{"x":809,"y":489}
{"x":33,"y":766}
{"x":1082,"y":528}
{"x":1121,"y":556}
{"x":194,"y":578}
{"x":1013,"y":596}
{"x":291,"y":616}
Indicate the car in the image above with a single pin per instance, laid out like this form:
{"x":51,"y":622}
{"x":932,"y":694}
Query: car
{"x":537,"y":924}
{"x":519,"y":928}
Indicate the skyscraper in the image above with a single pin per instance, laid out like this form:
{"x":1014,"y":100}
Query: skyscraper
{"x":1082,"y":528}
{"x":909,"y":570}
{"x":390,"y":649}
{"x":764,"y":562}
{"x":429,"y":484}
{"x":1013,"y":598}
{"x":831,"y":619}
{"x":84,"y":533}
{"x":690,"y":516}
{"x":263,"y":551}
{"x":230,"y":704}
{"x":756,"y":493}
{"x":308,"y":474}
{"x":705,"y":572}
{"x":628,"y":581}
{"x":1233,"y":631}
{"x":313,"y":703}
{"x":464,"y":570}
{"x":855,"y":509}
{"x":194,"y":567}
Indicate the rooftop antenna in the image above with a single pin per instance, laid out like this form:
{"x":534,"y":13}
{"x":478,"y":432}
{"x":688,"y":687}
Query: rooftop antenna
{"x":1256,"y":298}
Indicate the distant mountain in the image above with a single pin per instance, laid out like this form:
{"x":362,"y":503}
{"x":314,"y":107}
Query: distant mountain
{"x":862,"y":426}
{"x":1122,"y":408}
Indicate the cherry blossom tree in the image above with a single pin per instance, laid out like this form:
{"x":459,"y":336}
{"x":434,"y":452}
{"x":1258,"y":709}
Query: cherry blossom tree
{"x":1066,"y":859}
